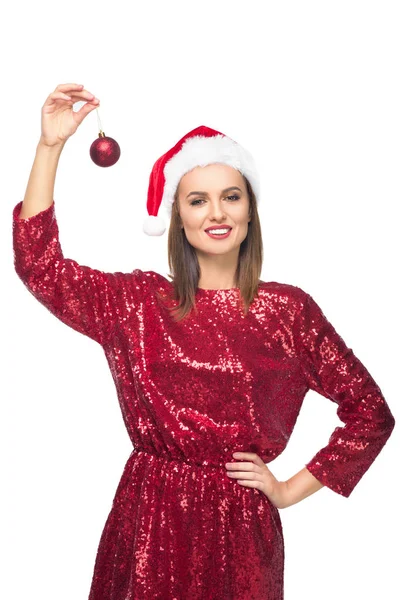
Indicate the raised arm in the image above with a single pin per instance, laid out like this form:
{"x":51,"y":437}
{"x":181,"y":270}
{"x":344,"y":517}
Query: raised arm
{"x":86,"y":299}
{"x":58,"y":123}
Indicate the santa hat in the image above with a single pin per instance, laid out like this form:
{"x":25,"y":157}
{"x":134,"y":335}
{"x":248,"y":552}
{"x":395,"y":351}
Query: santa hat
{"x":200,"y":147}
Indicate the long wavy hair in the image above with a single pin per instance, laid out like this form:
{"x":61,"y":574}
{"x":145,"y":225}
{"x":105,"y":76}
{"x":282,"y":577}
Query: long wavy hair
{"x":185,"y":268}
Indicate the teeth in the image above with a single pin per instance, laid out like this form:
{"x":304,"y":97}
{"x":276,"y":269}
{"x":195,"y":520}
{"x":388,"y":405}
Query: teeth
{"x":218,"y":231}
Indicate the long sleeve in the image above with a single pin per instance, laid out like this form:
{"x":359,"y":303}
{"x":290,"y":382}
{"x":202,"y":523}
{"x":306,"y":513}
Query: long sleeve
{"x":332,"y":370}
{"x":86,"y":299}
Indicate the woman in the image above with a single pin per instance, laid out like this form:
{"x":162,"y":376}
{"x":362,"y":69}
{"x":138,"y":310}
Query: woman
{"x":210,"y":369}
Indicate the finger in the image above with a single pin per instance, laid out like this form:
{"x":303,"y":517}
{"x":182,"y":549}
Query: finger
{"x":72,"y":98}
{"x":83,"y":98}
{"x":247,"y":456}
{"x":245,"y":477}
{"x":241,"y":465}
{"x":93,"y":104}
{"x":57,"y":96}
{"x":74,"y":89}
{"x":64,"y":87}
{"x":82,"y":94}
{"x":236,"y":474}
{"x":249,"y":483}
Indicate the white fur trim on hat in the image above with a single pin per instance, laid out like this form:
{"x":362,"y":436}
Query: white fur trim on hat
{"x":200,"y":151}
{"x":154,"y":225}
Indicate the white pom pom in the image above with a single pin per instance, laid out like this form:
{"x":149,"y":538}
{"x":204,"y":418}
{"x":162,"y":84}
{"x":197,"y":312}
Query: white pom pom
{"x":154,"y":225}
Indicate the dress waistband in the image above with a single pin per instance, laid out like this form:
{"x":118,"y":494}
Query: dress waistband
{"x":209,"y":462}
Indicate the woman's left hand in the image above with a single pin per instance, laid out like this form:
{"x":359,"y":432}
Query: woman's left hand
{"x":256,"y":474}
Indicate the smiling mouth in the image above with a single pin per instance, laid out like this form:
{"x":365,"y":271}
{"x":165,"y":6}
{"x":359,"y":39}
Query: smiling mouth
{"x":218,"y":236}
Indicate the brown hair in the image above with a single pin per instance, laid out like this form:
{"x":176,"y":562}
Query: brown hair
{"x":184,"y":265}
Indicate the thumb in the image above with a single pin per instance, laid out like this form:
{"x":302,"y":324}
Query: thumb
{"x":85,"y":110}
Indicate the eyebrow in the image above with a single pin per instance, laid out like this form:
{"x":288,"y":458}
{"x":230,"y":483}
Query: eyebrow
{"x":234,"y":187}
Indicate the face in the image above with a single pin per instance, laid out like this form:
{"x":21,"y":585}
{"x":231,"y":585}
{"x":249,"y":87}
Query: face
{"x":205,"y":200}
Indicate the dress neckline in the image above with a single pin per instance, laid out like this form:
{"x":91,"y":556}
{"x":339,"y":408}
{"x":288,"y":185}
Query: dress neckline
{"x":209,"y":291}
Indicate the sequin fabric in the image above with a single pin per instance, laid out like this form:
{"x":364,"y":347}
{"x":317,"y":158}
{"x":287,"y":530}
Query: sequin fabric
{"x":191,"y":394}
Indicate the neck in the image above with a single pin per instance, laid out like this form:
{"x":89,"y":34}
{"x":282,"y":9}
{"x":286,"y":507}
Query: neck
{"x":218,"y":271}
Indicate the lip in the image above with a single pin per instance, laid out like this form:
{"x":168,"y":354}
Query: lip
{"x":218,"y":237}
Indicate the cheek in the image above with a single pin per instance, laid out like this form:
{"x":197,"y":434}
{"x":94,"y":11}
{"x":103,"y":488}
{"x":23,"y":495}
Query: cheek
{"x":240,"y":216}
{"x":194,"y":222}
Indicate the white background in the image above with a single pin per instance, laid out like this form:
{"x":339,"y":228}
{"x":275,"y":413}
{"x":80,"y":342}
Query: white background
{"x":312,"y":90}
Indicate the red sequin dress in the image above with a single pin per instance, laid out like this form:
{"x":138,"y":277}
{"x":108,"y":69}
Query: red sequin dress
{"x":191,"y":394}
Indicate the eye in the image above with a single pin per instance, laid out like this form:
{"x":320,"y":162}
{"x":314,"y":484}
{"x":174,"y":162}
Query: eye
{"x":201,"y":200}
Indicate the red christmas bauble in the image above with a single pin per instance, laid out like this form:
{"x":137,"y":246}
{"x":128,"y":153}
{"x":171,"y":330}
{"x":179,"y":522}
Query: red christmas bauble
{"x":104,"y":151}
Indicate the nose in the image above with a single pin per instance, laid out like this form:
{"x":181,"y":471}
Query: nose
{"x":216,"y":210}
